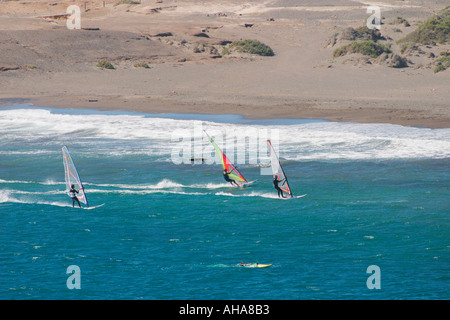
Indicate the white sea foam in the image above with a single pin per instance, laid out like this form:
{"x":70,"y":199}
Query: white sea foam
{"x":14,"y":181}
{"x":307,"y":141}
{"x":9,"y":196}
{"x":30,"y":198}
{"x":53,"y":203}
{"x":5,"y":196}
{"x":51,"y":192}
{"x":163,"y":184}
{"x":47,"y":182}
{"x":142,"y":192}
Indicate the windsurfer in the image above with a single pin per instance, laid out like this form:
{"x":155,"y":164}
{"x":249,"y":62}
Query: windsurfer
{"x":227,"y":178}
{"x":72,"y":194}
{"x":275,"y":184}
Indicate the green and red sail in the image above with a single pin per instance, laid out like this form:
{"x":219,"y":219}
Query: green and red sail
{"x":233,"y":173}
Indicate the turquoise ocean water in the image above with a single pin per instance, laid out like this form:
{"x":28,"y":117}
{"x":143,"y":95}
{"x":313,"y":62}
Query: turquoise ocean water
{"x":377,"y":194}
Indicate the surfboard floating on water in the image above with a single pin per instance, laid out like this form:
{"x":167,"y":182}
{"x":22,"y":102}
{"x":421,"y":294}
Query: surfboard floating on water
{"x":72,"y":177}
{"x":278,"y":173}
{"x":254,"y":265}
{"x":233,"y":173}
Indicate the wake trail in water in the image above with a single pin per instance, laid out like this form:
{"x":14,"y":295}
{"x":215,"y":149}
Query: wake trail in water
{"x":47,"y":182}
{"x":8,"y":196}
{"x":252,"y":194}
{"x":164,"y":186}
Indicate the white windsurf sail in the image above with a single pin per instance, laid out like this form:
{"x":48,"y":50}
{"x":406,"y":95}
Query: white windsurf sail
{"x":72,"y":177}
{"x":278,"y":172}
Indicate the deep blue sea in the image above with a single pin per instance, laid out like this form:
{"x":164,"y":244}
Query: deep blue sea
{"x":377,"y":195}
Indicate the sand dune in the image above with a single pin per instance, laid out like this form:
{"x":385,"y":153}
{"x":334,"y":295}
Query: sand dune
{"x":50,"y":65}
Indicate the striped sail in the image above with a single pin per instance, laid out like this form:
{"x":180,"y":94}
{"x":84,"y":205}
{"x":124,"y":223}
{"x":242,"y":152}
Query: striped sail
{"x":72,"y":177}
{"x":227,"y":164}
{"x":278,"y":172}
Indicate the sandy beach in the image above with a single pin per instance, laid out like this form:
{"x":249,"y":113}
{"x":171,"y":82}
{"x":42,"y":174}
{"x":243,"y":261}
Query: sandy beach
{"x":182,"y":42}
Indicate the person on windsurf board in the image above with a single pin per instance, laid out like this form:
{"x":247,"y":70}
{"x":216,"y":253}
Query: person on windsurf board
{"x":275,"y":185}
{"x":73,"y":179}
{"x":227,"y":178}
{"x":72,"y":194}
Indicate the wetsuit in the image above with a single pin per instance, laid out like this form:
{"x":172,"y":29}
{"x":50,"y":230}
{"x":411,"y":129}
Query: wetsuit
{"x":72,"y":192}
{"x":227,"y":178}
{"x":275,"y":184}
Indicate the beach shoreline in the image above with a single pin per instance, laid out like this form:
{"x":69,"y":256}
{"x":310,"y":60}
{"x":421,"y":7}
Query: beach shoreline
{"x":386,"y":115}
